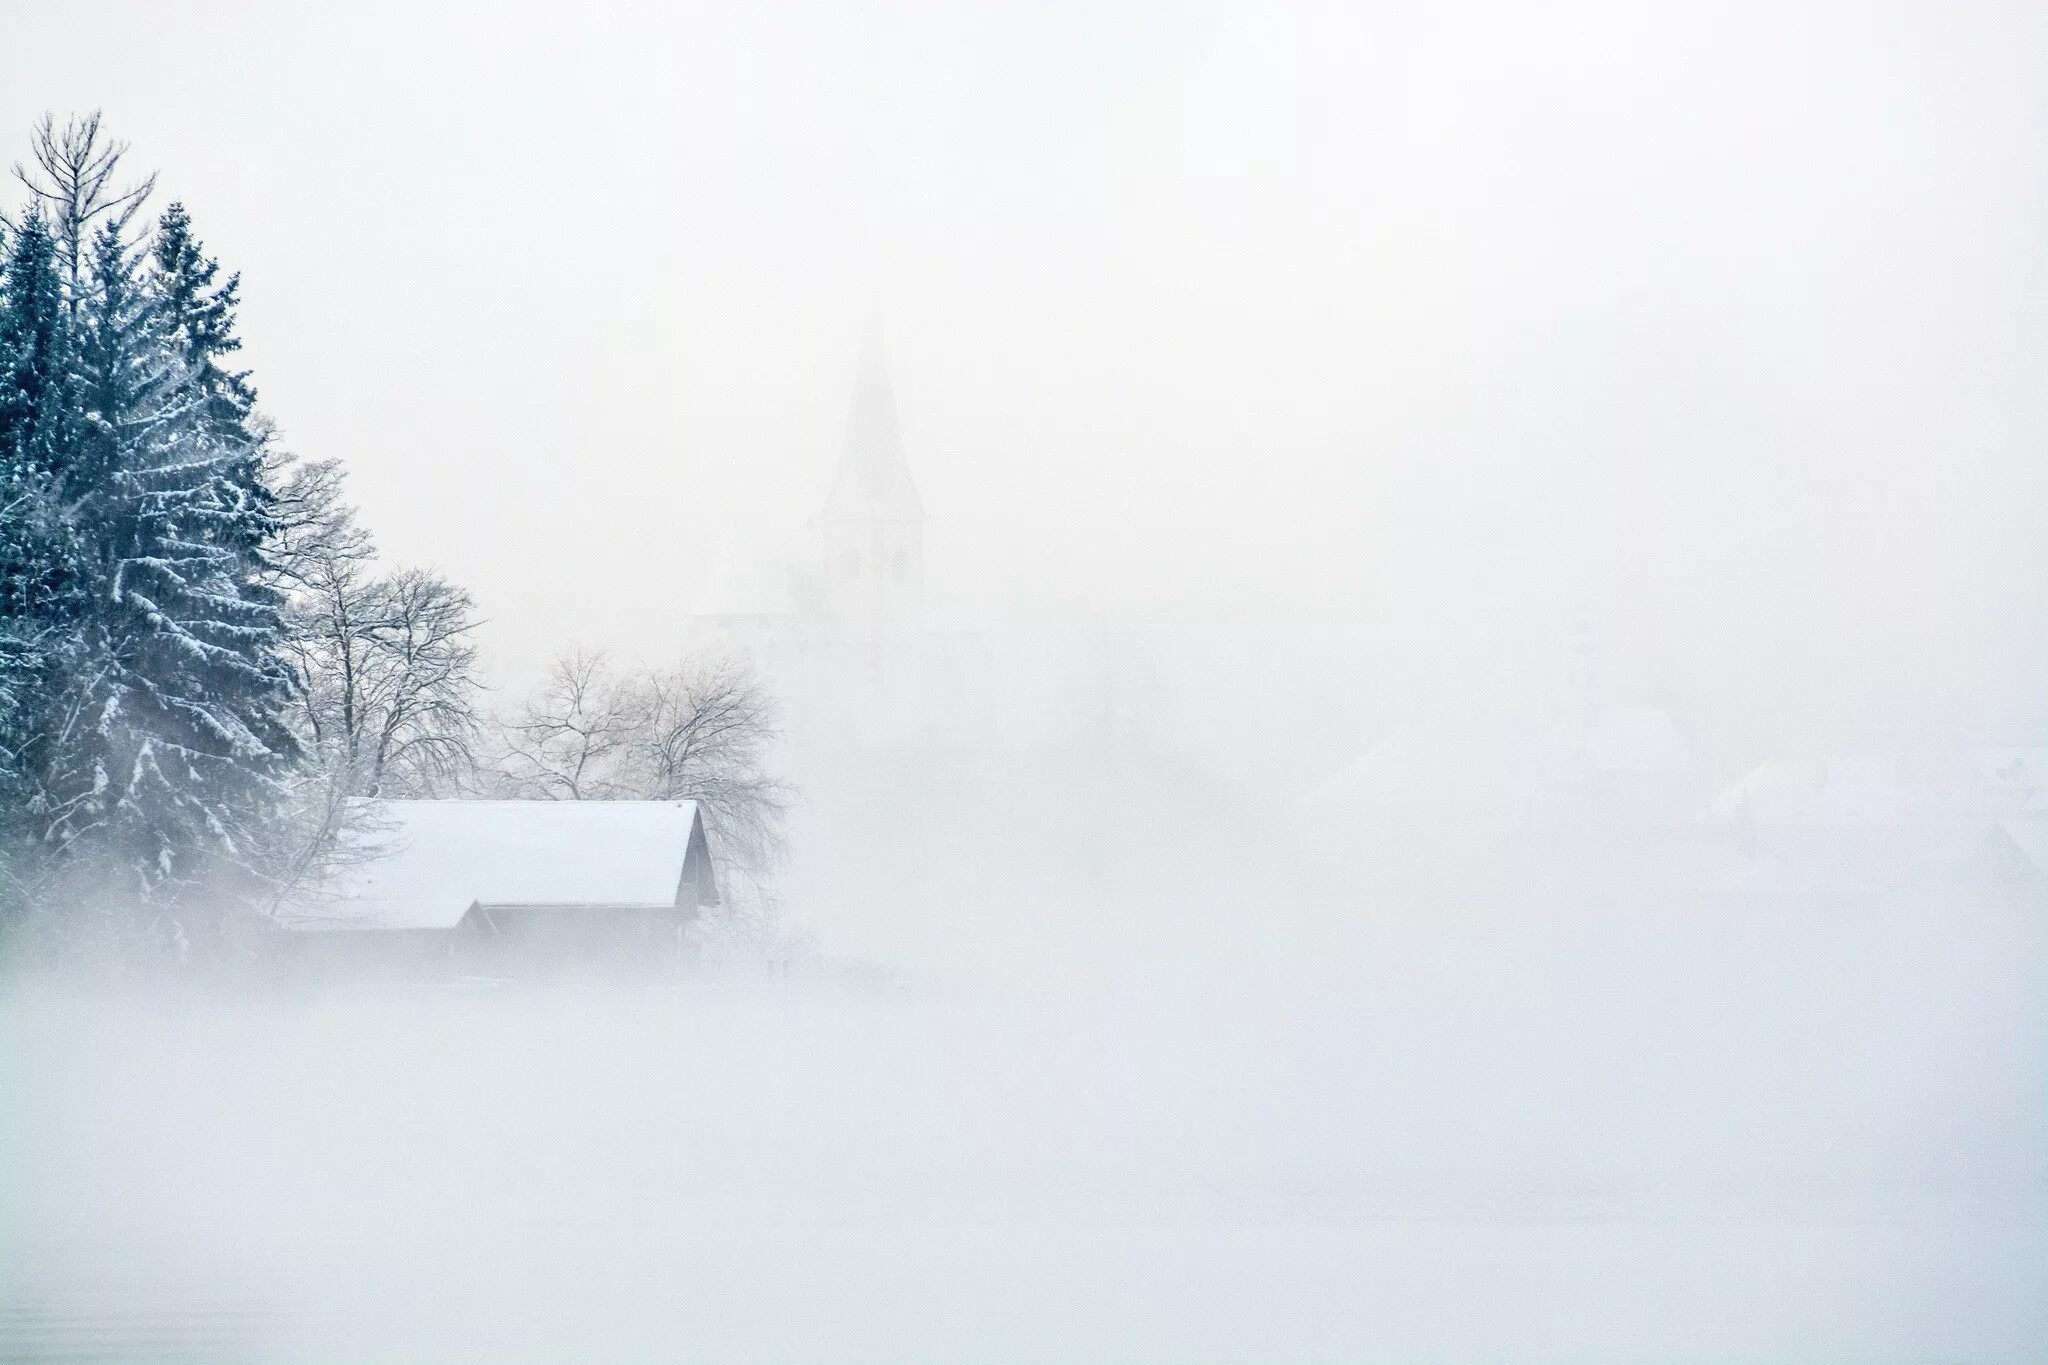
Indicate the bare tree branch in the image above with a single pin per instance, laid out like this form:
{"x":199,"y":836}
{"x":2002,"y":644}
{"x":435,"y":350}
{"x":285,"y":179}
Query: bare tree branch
{"x":386,"y":663}
{"x":72,"y":186}
{"x":701,"y":732}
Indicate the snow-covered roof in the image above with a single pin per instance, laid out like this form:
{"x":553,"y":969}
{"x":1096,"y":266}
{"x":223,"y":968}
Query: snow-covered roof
{"x":2016,"y":777}
{"x":1632,"y":739}
{"x":2029,"y":834}
{"x":427,"y":862}
{"x":1431,"y":767}
{"x":1859,"y":791}
{"x":1504,"y":767}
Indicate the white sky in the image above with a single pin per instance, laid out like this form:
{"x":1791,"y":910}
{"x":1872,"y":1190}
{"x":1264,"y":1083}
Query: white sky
{"x":1726,"y":325}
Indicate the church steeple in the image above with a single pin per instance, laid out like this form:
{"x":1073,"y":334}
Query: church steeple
{"x":873,"y":480}
{"x":874,"y":520}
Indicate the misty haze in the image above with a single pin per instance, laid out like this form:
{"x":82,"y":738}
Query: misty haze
{"x":1024,"y":682}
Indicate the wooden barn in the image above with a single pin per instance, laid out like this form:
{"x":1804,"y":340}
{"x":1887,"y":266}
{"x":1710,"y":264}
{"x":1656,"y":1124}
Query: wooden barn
{"x":512,"y":887}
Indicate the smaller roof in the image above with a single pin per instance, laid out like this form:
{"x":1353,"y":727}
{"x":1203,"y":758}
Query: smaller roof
{"x":1857,"y":791}
{"x":2029,"y":834}
{"x":1496,"y":767}
{"x":425,"y":863}
{"x":2016,"y":777}
{"x":1633,"y":739}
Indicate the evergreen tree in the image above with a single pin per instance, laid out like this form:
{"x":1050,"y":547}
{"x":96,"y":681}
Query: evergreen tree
{"x":201,"y":319}
{"x":199,"y":322}
{"x":38,"y":564}
{"x":19,"y":656}
{"x":168,"y":740}
{"x":37,"y":408}
{"x":148,"y":741}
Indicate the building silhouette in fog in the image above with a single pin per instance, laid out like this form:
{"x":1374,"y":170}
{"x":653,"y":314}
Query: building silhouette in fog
{"x":837,"y":624}
{"x":871,"y":535}
{"x":859,"y":575}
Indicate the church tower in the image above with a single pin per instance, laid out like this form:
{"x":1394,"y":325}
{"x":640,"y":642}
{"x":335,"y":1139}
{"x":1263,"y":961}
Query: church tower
{"x":873,"y":525}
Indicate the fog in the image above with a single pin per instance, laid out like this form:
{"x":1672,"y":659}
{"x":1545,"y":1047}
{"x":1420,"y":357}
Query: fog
{"x":1824,"y":1143}
{"x":1438,"y":318}
{"x":1463,"y":778}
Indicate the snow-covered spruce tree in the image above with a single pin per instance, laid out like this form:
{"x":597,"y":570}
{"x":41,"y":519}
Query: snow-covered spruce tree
{"x":199,"y":322}
{"x":37,"y":418}
{"x":38,"y":563}
{"x":38,"y":426}
{"x":167,"y":743}
{"x":200,"y":316}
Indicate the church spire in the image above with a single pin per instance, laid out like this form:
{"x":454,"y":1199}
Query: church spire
{"x":873,"y":481}
{"x":873,"y":526}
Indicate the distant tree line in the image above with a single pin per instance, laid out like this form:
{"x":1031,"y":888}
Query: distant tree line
{"x":202,"y":663}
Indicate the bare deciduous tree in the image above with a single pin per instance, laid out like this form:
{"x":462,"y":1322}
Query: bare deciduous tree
{"x":706,"y":728}
{"x":315,"y":525}
{"x":72,"y":186}
{"x":699,"y":732}
{"x":390,"y":677}
{"x":321,"y":830}
{"x":387,"y":680}
{"x":387,"y":701}
{"x":385,"y":660}
{"x":572,"y":739}
{"x":418,"y":699}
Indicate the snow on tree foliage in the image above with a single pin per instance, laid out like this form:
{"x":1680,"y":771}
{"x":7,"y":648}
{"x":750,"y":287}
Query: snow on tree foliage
{"x":202,"y":665}
{"x":37,"y":419}
{"x":173,"y":732}
{"x":144,"y":682}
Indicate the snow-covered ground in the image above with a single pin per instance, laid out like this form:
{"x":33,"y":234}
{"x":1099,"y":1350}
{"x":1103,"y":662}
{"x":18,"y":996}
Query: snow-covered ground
{"x":1810,"y":1137}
